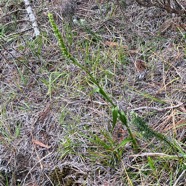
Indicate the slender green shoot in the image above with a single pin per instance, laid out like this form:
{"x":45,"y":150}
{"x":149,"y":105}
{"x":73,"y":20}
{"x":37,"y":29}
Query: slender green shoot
{"x":68,"y":55}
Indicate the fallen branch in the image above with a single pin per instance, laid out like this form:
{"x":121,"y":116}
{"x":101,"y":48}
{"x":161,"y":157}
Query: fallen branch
{"x":156,"y":155}
{"x":32,"y":17}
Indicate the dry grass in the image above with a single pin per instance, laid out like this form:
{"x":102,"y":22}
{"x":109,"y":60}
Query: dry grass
{"x":55,"y":128}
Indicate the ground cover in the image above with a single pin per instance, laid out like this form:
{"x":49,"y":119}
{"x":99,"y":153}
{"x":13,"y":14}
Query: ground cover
{"x":57,"y":126}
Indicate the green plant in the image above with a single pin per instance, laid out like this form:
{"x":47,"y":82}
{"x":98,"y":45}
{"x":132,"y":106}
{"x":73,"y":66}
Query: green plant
{"x":105,"y":149}
{"x":121,"y":115}
{"x":53,"y":77}
{"x":149,"y":133}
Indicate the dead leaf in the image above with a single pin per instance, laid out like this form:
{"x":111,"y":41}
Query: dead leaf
{"x":180,"y":122}
{"x":165,"y":26}
{"x":140,"y":65}
{"x":40,"y":144}
{"x":119,"y":133}
{"x":132,"y":52}
{"x":141,"y":68}
{"x":44,"y":113}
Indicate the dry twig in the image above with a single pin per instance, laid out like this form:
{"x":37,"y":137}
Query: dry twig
{"x":158,"y":109}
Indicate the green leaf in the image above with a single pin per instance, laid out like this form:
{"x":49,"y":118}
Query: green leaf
{"x":151,"y":163}
{"x":123,"y":143}
{"x":95,"y":90}
{"x":102,"y":92}
{"x":114,"y":116}
{"x":123,"y":118}
{"x":98,"y":141}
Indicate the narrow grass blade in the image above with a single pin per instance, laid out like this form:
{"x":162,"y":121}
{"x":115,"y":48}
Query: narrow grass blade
{"x":114,"y":116}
